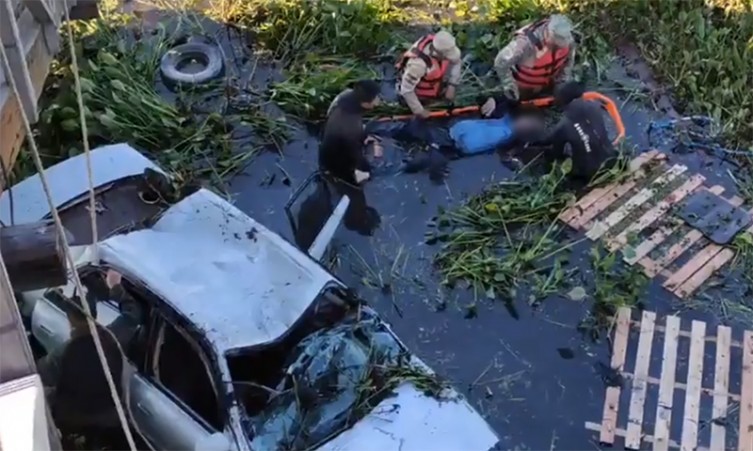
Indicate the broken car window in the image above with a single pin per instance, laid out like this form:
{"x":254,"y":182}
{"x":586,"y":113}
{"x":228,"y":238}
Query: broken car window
{"x":181,"y":370}
{"x":333,"y":378}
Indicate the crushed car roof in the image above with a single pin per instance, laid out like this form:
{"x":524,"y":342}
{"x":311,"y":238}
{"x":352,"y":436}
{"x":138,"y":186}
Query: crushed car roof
{"x":237,"y":281}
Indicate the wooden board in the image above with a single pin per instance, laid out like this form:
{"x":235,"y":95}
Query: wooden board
{"x":659,"y":210}
{"x":640,"y":383}
{"x":721,"y":386}
{"x":706,"y":271}
{"x":38,"y":59}
{"x":633,"y":429}
{"x":667,"y":385}
{"x":612,"y":399}
{"x":699,"y":268}
{"x":693,"y":392}
{"x":599,"y":228}
{"x":745,"y":440}
{"x":596,"y":194}
{"x":658,"y":237}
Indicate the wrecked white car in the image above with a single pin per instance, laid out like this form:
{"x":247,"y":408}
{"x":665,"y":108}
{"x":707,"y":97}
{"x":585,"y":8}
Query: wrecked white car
{"x":245,"y":341}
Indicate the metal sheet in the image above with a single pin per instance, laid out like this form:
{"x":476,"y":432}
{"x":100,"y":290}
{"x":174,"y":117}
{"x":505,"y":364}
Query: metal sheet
{"x":714,"y":216}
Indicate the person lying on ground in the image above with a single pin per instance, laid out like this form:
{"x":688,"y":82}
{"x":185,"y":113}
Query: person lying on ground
{"x":540,"y":56}
{"x":342,"y":150}
{"x":581,"y":134}
{"x":429,"y":70}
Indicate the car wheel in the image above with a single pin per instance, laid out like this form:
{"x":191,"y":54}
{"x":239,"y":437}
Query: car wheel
{"x":191,"y":64}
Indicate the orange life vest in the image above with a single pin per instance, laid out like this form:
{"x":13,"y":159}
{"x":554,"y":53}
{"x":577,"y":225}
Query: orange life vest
{"x":544,"y":69}
{"x":430,"y":86}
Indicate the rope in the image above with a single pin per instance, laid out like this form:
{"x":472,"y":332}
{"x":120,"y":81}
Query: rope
{"x":84,"y":134}
{"x":64,"y":241}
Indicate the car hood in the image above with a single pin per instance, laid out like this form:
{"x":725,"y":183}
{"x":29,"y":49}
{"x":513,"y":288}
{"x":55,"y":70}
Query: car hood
{"x":414,"y":421}
{"x":355,"y":385}
{"x":69,"y":179}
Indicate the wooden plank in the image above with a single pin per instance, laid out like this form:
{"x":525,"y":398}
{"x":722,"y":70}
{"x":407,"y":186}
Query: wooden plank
{"x":593,"y":211}
{"x":667,"y":384}
{"x":639,"y":385}
{"x":11,"y":127}
{"x":599,"y":228}
{"x":721,"y":387}
{"x":608,"y":198}
{"x":594,"y":195}
{"x":693,"y":393}
{"x":745,"y":442}
{"x":681,"y":385}
{"x":699,"y":268}
{"x":612,"y":398}
{"x":654,"y":267}
{"x":619,"y":432}
{"x":706,"y":271}
{"x":690,"y":268}
{"x":660,"y":235}
{"x":656,"y":212}
{"x":684,"y":333}
{"x":14,"y":50}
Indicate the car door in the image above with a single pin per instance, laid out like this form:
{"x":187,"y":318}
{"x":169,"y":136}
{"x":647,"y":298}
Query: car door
{"x":313,"y":216}
{"x":176,"y":405}
{"x":158,"y":417}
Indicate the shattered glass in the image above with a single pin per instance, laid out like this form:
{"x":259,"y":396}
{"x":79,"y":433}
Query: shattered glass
{"x":328,"y":385}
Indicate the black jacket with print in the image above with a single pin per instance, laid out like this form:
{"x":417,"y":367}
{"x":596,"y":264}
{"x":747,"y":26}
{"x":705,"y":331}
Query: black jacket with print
{"x":341,"y":151}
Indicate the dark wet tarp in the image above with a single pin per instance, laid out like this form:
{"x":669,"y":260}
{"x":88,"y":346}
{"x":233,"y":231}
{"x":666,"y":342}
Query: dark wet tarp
{"x":713,"y":216}
{"x":323,"y":390}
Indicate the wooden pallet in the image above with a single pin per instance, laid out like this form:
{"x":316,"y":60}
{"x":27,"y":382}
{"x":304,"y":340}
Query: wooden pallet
{"x":637,"y":382}
{"x":589,"y":214}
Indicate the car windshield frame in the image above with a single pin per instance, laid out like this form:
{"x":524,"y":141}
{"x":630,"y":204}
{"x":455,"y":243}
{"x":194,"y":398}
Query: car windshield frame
{"x":359,"y":336}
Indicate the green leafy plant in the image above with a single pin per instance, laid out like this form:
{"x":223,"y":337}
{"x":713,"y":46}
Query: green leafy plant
{"x":312,"y":86}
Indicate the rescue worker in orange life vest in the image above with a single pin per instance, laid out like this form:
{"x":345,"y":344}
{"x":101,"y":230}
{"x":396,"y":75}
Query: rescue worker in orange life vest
{"x":430,"y":70}
{"x":540,"y":56}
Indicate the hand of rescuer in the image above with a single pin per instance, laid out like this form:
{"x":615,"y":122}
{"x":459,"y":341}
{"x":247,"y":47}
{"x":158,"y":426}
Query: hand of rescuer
{"x":361,"y":176}
{"x":376,"y":146}
{"x":488,"y":107}
{"x":423,"y":114}
{"x":449,"y":93}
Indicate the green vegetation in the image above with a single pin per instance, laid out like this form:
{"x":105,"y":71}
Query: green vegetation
{"x":311,"y":86}
{"x":508,"y":244}
{"x":118,"y":66}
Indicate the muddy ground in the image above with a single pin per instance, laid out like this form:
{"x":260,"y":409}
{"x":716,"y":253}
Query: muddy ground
{"x":533,"y":376}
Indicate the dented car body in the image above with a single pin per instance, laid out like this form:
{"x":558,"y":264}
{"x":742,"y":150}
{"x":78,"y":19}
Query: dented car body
{"x":244,"y":342}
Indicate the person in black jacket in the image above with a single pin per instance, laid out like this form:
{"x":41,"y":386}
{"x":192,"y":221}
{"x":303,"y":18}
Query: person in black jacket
{"x":581,"y":134}
{"x":342,"y":153}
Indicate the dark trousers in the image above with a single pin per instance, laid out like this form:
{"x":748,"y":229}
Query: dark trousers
{"x":360,"y":217}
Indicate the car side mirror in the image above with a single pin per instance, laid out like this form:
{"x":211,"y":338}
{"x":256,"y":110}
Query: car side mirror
{"x":214,"y":442}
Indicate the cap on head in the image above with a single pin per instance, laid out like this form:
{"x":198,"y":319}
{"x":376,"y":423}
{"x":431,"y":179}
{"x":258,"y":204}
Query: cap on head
{"x":560,"y":30}
{"x":444,"y":44}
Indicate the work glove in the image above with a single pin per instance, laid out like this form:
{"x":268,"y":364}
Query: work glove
{"x":488,"y":107}
{"x":499,"y":106}
{"x":361,"y":176}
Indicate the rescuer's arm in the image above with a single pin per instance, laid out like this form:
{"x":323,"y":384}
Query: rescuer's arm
{"x":415,"y":69}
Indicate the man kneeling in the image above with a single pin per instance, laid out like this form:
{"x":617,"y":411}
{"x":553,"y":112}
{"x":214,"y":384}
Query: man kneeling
{"x":580,"y":134}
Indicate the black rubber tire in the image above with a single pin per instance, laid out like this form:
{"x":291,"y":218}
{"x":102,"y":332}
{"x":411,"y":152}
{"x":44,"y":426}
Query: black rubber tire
{"x":209,"y":54}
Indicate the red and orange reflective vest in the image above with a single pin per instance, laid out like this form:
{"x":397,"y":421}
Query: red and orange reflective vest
{"x":430,"y":86}
{"x":541,"y":72}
